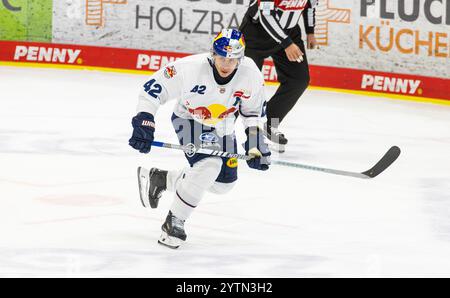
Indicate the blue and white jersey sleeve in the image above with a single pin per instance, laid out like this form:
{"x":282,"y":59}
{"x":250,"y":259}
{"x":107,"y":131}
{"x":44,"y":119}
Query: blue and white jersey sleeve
{"x":163,"y":86}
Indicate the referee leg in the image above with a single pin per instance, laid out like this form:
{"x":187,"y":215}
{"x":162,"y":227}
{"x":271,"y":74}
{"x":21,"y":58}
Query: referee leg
{"x":256,"y":56}
{"x":294,"y":79}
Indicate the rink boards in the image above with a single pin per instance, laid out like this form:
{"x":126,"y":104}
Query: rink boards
{"x":403,"y":86}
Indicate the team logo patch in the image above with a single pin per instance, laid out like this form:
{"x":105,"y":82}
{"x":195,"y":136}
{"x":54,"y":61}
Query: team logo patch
{"x":232,"y":162}
{"x":242,"y":94}
{"x":170,"y":72}
{"x":208,"y":137}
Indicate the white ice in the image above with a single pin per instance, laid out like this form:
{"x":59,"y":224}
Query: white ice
{"x":70,"y":207}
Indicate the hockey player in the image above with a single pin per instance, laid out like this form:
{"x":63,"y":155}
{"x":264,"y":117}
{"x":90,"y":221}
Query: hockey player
{"x":211,"y":89}
{"x":271,"y":29}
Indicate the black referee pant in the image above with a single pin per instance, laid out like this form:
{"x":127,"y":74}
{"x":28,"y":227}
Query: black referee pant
{"x":293,"y":76}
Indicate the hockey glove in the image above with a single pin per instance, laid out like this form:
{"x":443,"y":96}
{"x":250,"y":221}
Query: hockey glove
{"x":143,"y":130}
{"x":256,"y":147}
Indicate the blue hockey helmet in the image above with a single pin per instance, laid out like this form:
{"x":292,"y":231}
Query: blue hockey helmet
{"x":229,"y":43}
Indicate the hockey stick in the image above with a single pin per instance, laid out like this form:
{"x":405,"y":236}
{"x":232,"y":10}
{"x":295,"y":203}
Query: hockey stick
{"x":388,"y":158}
{"x":190,"y":150}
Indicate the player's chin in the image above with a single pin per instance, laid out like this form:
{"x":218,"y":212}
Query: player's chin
{"x":225,"y":73}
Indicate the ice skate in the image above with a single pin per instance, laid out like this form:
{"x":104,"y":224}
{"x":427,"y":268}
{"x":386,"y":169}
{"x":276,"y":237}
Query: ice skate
{"x":152,"y":183}
{"x":277,"y":138}
{"x":173,"y":234}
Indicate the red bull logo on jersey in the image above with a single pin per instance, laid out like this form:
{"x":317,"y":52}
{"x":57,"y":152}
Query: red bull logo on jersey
{"x":211,"y":114}
{"x":242,"y":94}
{"x":291,"y":4}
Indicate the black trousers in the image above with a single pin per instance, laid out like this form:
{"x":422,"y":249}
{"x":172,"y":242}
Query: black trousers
{"x":293,"y":76}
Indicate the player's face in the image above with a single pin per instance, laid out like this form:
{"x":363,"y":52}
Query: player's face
{"x":225,"y":66}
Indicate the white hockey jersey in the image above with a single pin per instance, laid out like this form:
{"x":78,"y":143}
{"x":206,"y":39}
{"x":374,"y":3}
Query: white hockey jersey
{"x":191,"y":82}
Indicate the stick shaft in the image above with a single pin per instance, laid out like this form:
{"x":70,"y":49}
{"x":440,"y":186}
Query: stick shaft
{"x":387,"y":160}
{"x":319,"y":169}
{"x":192,"y":149}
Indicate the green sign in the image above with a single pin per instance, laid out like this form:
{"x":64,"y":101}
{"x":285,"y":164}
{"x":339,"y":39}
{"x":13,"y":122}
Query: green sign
{"x":26,"y":20}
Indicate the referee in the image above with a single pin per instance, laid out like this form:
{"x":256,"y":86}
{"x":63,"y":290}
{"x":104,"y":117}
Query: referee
{"x":271,"y":29}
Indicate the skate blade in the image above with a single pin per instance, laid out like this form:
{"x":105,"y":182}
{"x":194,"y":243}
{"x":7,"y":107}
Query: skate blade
{"x":277,"y":147}
{"x":142,"y":179}
{"x":171,"y":242}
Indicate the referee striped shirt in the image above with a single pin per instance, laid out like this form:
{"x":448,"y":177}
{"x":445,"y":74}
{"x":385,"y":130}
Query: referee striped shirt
{"x":276,"y":16}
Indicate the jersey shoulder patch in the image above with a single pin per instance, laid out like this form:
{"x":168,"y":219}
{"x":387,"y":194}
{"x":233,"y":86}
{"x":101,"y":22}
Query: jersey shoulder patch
{"x":170,"y":71}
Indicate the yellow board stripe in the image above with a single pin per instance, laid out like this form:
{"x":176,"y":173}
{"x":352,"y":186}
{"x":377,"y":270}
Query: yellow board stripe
{"x":148,"y":72}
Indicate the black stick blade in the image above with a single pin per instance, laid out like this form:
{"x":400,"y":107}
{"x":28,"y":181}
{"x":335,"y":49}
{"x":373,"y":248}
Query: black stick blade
{"x":391,"y":155}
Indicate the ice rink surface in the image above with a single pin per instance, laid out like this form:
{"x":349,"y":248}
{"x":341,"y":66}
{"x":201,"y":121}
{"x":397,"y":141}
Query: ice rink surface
{"x":70,"y":205}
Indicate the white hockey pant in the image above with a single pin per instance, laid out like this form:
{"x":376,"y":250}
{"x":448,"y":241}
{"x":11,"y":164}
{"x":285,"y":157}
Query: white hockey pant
{"x":191,"y":184}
